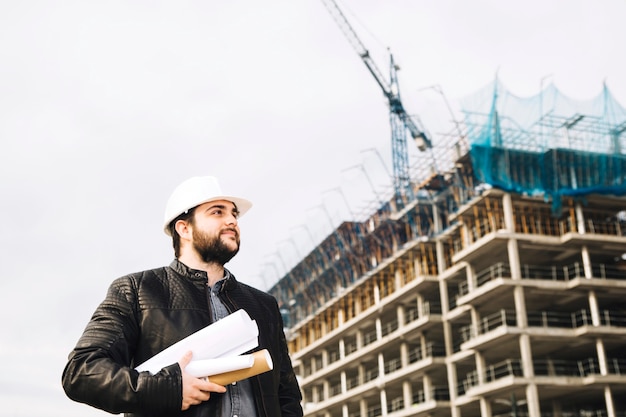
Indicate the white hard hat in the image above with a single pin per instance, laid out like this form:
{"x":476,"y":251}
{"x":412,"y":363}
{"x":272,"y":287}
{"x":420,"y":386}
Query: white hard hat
{"x":195,"y":191}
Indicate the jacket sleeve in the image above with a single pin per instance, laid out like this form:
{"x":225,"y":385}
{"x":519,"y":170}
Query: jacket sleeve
{"x":289,"y":394}
{"x":99,"y":372}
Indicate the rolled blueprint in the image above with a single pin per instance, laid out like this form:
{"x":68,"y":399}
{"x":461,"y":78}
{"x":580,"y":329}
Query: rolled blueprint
{"x":208,"y":367}
{"x":262,"y":363}
{"x":233,"y":335}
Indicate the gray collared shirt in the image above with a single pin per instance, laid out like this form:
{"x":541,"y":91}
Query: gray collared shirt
{"x":238,"y":400}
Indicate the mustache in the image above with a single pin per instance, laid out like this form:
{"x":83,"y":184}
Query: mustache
{"x":230,"y":229}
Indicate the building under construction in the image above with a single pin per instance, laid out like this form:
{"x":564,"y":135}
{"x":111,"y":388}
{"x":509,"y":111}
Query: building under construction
{"x":497,"y":286}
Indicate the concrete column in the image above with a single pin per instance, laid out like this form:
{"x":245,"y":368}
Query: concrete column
{"x":470,"y":275}
{"x":604,"y":368}
{"x":580,"y":219}
{"x":485,"y":408}
{"x":417,"y":267}
{"x":443,"y":289}
{"x":342,"y":348}
{"x":344,"y":382}
{"x":519,"y":301}
{"x":441,"y":263}
{"x":363,"y":407}
{"x":514,"y":261}
{"x":481,"y":368}
{"x":428,"y":388}
{"x":527,"y":356}
{"x":587,"y":268}
{"x":436,"y":219}
{"x":507,"y":207}
{"x":467,"y":236}
{"x":594,"y":308}
{"x":404,"y":354}
{"x":379,"y":328}
{"x":344,"y":411}
{"x":340,"y":317}
{"x":452,"y":385}
{"x":326,"y":388}
{"x":455,"y":412}
{"x":359,"y":339}
{"x":447,"y":339}
{"x":608,"y":398}
{"x":475,"y":323}
{"x":532,"y":400}
{"x":325,"y":360}
{"x":397,"y":277}
{"x":315,"y":395}
{"x":383,"y":402}
{"x":407,"y":394}
{"x":376,"y":294}
{"x":381,"y":365}
{"x":361,"y":374}
{"x":400,"y":315}
{"x":420,"y":306}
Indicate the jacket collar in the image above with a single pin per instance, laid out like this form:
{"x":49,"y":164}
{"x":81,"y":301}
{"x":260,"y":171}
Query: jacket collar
{"x":197,"y":275}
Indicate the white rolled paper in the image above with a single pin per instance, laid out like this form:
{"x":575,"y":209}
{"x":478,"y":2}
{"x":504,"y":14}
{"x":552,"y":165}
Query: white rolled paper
{"x":207,"y":367}
{"x":233,"y":335}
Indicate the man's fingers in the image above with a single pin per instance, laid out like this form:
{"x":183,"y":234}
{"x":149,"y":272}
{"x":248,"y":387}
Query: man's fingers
{"x":196,"y":390}
{"x":207,"y":385}
{"x":184,"y":361}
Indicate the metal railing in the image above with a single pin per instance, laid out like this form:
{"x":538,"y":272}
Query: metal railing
{"x":578,"y":368}
{"x":428,"y":308}
{"x":600,"y":227}
{"x":541,"y":272}
{"x":509,"y":367}
{"x":351,"y":347}
{"x":573,"y":320}
{"x":396,"y":404}
{"x":438,"y":393}
{"x":542,"y":367}
{"x":369,"y":337}
{"x":488,"y":323}
{"x":392,"y":365}
{"x":389,"y":327}
{"x":432,"y":350}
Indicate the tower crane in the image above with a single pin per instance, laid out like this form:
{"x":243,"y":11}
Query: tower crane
{"x":399,"y":119}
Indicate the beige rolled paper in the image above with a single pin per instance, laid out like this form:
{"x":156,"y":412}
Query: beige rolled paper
{"x":262,"y":363}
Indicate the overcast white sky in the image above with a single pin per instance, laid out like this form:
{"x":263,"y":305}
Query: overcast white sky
{"x":106,"y":105}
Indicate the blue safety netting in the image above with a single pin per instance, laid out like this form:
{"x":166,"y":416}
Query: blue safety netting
{"x":547,"y":144}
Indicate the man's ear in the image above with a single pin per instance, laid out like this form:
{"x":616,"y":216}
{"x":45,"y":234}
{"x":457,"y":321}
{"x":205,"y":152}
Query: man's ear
{"x":183,"y":228}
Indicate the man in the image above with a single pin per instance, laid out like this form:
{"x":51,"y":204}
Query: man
{"x":144,"y":313}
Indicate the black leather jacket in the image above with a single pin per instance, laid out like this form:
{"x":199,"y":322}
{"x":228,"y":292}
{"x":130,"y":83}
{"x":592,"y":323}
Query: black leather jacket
{"x":145,"y":312}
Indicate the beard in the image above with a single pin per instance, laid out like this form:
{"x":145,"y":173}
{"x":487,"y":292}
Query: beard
{"x":212,"y":249}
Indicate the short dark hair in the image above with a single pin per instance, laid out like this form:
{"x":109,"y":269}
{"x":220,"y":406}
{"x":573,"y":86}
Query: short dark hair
{"x":187,"y":217}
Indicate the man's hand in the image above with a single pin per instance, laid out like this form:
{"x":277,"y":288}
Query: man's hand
{"x":195,"y":390}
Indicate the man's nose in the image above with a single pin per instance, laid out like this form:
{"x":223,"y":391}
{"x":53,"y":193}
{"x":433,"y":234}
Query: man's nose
{"x":231,"y":219}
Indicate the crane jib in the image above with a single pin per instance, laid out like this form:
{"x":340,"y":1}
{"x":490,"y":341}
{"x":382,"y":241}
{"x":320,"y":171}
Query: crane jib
{"x":397,"y":112}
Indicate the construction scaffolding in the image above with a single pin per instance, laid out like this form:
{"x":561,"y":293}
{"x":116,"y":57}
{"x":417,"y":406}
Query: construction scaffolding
{"x":496,"y":290}
{"x":548,"y":144}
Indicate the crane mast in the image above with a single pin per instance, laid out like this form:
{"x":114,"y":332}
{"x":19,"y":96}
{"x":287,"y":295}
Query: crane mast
{"x":399,"y":119}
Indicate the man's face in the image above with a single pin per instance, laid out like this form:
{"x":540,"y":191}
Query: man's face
{"x":216,"y":232}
